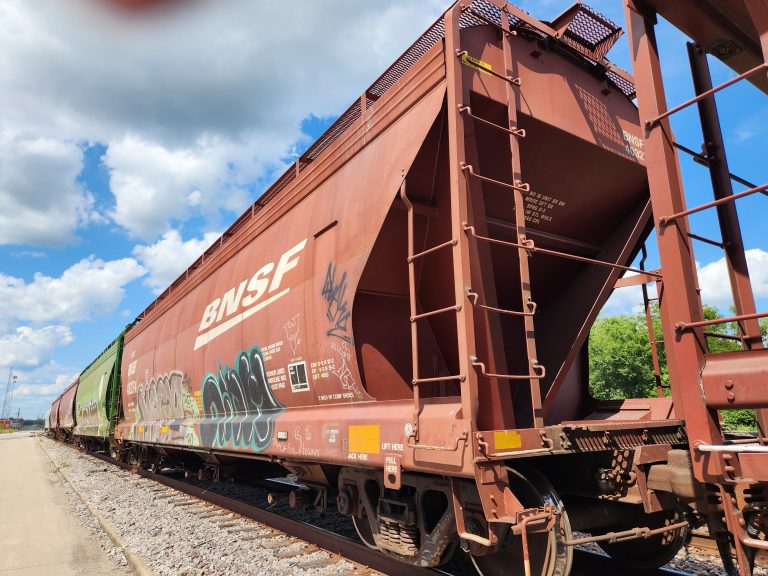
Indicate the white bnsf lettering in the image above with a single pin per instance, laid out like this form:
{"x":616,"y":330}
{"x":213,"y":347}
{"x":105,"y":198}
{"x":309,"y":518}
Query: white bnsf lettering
{"x":247,"y":298}
{"x":634,"y":145}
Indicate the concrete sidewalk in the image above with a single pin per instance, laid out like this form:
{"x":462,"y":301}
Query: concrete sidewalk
{"x":38,"y":537}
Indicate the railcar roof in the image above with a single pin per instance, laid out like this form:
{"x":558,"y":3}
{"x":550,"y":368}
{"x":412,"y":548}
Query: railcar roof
{"x":580,"y":33}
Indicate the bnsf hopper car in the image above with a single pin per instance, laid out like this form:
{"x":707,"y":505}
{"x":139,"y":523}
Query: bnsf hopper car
{"x":401,"y":320}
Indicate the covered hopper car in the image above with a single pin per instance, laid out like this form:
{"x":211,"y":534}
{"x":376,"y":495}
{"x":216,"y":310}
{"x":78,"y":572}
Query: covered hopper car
{"x":401,"y":320}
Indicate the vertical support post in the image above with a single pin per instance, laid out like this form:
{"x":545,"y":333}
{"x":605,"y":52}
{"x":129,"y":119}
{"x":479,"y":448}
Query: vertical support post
{"x":743,"y":298}
{"x":413,"y":308}
{"x":735,"y":258}
{"x":522,"y":253}
{"x":685,"y":351}
{"x":465,"y":332}
{"x":651,"y":331}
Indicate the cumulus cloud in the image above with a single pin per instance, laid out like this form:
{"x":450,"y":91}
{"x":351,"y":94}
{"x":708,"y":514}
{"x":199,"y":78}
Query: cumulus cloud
{"x":26,"y":346}
{"x":153,"y":184}
{"x":170,"y":256}
{"x":627,"y":300}
{"x":86,"y":289}
{"x":715,"y":285}
{"x":195,"y":105}
{"x":40,"y":201}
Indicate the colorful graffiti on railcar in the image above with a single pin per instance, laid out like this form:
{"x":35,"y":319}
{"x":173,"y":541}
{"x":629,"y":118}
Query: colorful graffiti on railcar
{"x":239,"y":409}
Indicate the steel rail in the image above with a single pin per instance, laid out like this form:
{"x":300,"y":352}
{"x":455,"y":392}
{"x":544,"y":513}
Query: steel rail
{"x":328,"y":541}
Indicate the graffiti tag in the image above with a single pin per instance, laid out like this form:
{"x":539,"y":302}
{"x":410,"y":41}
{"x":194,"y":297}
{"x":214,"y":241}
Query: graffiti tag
{"x":239,"y":409}
{"x":337,"y":312}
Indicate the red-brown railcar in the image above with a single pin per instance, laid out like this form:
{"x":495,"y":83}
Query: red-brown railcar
{"x":63,"y":412}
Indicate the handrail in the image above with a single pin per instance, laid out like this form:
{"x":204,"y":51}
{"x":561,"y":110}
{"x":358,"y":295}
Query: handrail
{"x":682,"y":326}
{"x":704,"y":160}
{"x":665,"y":220}
{"x":529,"y":245}
{"x":747,"y":74}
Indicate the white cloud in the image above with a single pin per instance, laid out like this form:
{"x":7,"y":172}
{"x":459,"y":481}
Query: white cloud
{"x":40,"y":201}
{"x":153,"y":184}
{"x":196,"y":104}
{"x":715,"y":285}
{"x":627,"y":300}
{"x":86,"y":289}
{"x":27,"y":347}
{"x":170,"y":256}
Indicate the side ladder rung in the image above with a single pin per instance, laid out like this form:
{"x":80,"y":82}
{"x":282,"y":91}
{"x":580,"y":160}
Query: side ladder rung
{"x":472,"y":296}
{"x":455,"y":308}
{"x":452,"y":242}
{"x":519,"y":132}
{"x":521,"y":186}
{"x":538,"y":371}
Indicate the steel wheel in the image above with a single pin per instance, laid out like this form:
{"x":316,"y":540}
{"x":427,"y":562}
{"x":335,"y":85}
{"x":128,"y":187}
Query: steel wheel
{"x":548,"y":555}
{"x":648,"y":553}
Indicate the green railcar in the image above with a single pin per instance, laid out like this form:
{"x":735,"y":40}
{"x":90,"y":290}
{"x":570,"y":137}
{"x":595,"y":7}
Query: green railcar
{"x":96,"y":403}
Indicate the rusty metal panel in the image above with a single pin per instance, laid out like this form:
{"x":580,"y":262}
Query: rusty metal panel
{"x":736,"y":379}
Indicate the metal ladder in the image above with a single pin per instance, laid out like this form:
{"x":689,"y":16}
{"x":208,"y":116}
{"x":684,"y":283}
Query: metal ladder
{"x":463,"y":116}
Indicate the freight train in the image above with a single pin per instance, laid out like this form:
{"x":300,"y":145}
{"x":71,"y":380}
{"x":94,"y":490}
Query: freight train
{"x":401,"y":321}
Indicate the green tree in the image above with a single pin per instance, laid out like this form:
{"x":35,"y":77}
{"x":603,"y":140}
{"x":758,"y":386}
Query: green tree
{"x":621,"y":366}
{"x":620,"y":362}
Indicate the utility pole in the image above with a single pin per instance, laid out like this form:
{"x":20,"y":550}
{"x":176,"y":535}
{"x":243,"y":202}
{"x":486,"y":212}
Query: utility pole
{"x":6,"y":413}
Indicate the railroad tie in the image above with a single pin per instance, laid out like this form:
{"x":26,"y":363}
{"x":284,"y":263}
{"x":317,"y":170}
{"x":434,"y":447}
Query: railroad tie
{"x":263,"y":536}
{"x":303,"y":551}
{"x":317,"y":563}
{"x":277,"y":544}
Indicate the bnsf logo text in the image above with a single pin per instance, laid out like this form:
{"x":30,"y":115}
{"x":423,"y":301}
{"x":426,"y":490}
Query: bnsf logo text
{"x":247,"y":298}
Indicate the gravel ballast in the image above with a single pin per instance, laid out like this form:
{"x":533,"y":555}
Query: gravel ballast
{"x":177,"y":535}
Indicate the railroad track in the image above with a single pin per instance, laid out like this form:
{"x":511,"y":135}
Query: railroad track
{"x":272,"y":526}
{"x":272,"y":529}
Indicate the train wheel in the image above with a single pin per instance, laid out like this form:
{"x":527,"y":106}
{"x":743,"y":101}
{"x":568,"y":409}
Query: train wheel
{"x":648,"y":553}
{"x":547,"y":553}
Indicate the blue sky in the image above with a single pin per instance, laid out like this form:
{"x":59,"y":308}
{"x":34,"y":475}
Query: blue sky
{"x":127,"y":145}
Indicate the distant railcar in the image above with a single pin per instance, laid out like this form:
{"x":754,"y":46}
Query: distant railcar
{"x":96,"y":401}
